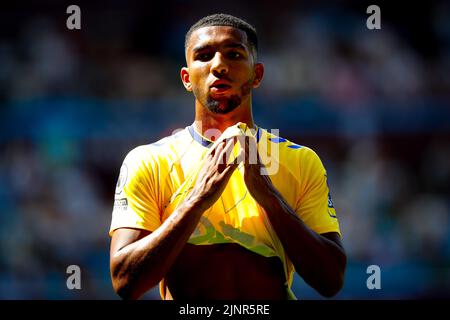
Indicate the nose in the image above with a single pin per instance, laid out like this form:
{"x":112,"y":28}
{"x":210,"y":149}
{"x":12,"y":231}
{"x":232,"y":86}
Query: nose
{"x":218,"y":65}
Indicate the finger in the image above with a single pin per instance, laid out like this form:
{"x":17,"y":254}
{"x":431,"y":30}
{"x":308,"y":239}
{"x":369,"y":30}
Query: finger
{"x":226,"y":152}
{"x":228,"y":171}
{"x":217,"y":149}
{"x":222,"y":139}
{"x":247,"y":151}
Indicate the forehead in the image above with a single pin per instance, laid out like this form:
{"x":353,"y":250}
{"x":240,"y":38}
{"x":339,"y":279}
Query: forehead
{"x":216,"y":35}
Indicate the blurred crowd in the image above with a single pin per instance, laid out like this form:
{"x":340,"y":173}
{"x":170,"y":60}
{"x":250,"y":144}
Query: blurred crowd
{"x":373,"y":104}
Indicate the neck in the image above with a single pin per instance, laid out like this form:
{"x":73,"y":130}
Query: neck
{"x":209,"y":123}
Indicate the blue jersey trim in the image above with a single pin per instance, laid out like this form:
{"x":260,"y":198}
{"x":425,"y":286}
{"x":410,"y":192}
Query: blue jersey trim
{"x":206,"y":143}
{"x":198,"y":138}
{"x":277,"y":139}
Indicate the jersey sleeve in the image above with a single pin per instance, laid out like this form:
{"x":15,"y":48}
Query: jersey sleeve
{"x":314,"y":205}
{"x":136,"y":202}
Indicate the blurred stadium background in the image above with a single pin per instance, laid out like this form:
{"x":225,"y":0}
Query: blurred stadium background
{"x":373,"y":104}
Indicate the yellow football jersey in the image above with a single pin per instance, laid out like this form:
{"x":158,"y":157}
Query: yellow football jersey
{"x":154,"y":179}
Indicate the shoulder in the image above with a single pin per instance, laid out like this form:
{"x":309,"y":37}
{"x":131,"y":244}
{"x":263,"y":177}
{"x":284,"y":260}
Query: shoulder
{"x":159,"y":149}
{"x":287,"y":149}
{"x":156,"y":155}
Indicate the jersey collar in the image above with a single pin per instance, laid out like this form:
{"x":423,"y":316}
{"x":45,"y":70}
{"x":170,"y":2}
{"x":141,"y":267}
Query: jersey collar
{"x":208,"y":143}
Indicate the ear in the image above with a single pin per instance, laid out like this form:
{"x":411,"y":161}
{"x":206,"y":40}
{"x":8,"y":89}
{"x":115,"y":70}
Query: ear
{"x":259,"y":73}
{"x":185,"y":78}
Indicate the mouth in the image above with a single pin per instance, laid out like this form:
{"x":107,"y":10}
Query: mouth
{"x":220,"y":88}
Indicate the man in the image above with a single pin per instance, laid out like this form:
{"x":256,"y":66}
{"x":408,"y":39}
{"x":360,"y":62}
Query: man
{"x":204,"y":227}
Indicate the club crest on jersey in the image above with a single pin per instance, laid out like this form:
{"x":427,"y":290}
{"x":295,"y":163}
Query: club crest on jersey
{"x":121,"y":181}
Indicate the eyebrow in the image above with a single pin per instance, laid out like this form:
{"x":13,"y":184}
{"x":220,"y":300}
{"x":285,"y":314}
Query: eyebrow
{"x":201,"y":48}
{"x":229,"y":45}
{"x":235,"y":45}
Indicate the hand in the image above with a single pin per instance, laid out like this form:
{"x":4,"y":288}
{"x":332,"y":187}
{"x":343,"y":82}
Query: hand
{"x":259,"y":185}
{"x":215,"y":174}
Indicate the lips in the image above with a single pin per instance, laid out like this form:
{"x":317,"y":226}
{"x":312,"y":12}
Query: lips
{"x":220,"y":86}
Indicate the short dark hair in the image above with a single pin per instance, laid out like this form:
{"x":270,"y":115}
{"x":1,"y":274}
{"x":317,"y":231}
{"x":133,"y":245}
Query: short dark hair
{"x":221,"y":19}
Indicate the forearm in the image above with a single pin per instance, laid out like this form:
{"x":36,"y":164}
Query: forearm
{"x":318,"y":260}
{"x":140,"y":260}
{"x":140,"y":265}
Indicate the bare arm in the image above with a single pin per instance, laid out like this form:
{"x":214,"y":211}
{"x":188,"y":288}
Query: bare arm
{"x":140,"y":259}
{"x":319,"y":259}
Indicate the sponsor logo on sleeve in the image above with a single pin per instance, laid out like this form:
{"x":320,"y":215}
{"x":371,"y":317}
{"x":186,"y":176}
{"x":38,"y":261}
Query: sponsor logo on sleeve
{"x":122,"y":180}
{"x":121,"y":204}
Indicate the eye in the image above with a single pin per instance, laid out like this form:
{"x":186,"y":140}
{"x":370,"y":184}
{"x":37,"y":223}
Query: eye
{"x":203,"y":56}
{"x":234,"y":55}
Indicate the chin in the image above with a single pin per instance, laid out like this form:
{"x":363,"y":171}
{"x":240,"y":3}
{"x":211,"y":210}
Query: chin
{"x":223,"y":105}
